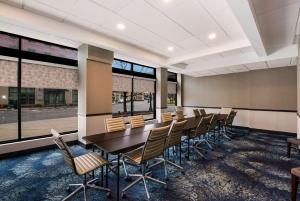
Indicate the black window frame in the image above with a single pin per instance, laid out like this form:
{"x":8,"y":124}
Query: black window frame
{"x":134,"y":74}
{"x":20,"y":54}
{"x":172,"y":77}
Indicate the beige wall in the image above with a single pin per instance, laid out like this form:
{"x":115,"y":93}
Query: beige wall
{"x":261,"y":89}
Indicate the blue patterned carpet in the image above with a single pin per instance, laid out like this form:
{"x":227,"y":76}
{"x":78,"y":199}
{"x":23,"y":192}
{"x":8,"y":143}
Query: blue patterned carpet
{"x":251,"y":167}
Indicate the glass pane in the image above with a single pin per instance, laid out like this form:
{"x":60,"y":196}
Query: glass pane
{"x":48,"y":49}
{"x":171,"y":101}
{"x":9,"y":41}
{"x":8,"y":101}
{"x":143,"y":104}
{"x":121,"y":108}
{"x":143,"y":69}
{"x":121,"y":65}
{"x":172,"y":76}
{"x":44,"y":108}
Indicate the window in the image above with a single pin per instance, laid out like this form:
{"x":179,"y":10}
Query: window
{"x":123,"y":65}
{"x":35,"y":96}
{"x":143,"y":69}
{"x":133,"y":90}
{"x":172,"y":91}
{"x":143,"y":97}
{"x":8,"y":100}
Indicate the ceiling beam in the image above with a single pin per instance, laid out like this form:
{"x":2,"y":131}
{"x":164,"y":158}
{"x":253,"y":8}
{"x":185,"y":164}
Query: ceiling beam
{"x":245,"y":14}
{"x":231,"y":45}
{"x":246,"y":58}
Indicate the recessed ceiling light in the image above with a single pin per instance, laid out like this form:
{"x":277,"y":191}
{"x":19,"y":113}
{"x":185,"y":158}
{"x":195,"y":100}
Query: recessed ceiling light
{"x":121,"y":26}
{"x":167,"y":1}
{"x":170,"y":49}
{"x":212,"y":36}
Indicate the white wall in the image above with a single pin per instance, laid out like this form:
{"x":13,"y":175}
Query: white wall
{"x":267,"y":120}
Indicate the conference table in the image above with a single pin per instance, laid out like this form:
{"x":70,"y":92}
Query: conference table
{"x":116,"y":143}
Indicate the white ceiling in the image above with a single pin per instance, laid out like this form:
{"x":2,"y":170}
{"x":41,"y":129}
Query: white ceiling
{"x":243,"y":30}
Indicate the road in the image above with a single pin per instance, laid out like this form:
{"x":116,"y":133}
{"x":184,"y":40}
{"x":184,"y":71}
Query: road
{"x":35,"y":114}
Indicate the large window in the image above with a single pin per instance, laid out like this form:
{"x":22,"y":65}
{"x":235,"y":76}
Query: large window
{"x":133,"y":90}
{"x":172,"y":91}
{"x":37,"y":91}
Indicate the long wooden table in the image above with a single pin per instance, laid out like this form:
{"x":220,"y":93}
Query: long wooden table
{"x":119,"y":142}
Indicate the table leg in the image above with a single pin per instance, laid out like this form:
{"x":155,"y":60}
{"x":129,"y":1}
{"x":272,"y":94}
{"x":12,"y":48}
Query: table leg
{"x":102,"y":170}
{"x":188,"y":156}
{"x":180,"y":153}
{"x":289,"y":150}
{"x":294,"y":186}
{"x":106,"y":173}
{"x":118,"y":178}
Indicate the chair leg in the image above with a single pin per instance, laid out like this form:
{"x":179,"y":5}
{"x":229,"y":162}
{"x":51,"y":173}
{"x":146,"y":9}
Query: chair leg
{"x":77,"y":190}
{"x":294,"y":186}
{"x":146,"y":189}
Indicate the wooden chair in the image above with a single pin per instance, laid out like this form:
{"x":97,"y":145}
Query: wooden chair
{"x":295,"y":175}
{"x":196,"y":112}
{"x":200,"y":131}
{"x":203,"y":112}
{"x":137,"y":121}
{"x":81,"y":165}
{"x":153,"y":148}
{"x":115,"y":124}
{"x":179,"y":115}
{"x":166,"y":117}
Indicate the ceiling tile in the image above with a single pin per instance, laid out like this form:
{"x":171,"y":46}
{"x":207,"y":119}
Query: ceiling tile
{"x":16,"y":3}
{"x":148,"y":17}
{"x":44,"y":9}
{"x":263,"y":6}
{"x":115,"y":5}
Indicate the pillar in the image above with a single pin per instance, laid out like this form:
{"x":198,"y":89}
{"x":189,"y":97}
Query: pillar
{"x":298,"y":92}
{"x":179,"y":89}
{"x":161,"y":91}
{"x":95,"y":90}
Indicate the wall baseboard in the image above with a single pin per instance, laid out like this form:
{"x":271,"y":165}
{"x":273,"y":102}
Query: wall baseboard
{"x":266,"y":131}
{"x":33,"y":150}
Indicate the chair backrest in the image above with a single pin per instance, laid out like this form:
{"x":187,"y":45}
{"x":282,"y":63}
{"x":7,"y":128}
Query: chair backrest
{"x":176,"y":131}
{"x":230,"y":117}
{"x":179,"y":115}
{"x":115,"y":124}
{"x":225,"y":110}
{"x":69,"y":159}
{"x":203,"y":126}
{"x":137,"y":121}
{"x":196,"y":112}
{"x":179,"y":108}
{"x":203,"y":112}
{"x":214,"y":121}
{"x":155,"y":143}
{"x":166,"y":117}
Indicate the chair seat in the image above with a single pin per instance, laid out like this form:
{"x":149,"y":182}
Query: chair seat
{"x":88,"y":162}
{"x":296,"y":171}
{"x":294,"y":141}
{"x":135,"y":156}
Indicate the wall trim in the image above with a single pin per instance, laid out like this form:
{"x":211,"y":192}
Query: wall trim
{"x":98,"y":114}
{"x":237,"y":108}
{"x":272,"y":132}
{"x":33,"y":150}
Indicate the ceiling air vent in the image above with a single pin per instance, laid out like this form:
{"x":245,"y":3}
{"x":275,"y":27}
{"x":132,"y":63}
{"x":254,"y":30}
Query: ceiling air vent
{"x":180,"y":65}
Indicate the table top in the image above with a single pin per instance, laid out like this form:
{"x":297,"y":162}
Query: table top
{"x":123,"y":141}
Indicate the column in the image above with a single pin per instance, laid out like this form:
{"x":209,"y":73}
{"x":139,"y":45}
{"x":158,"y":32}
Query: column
{"x":95,"y":90}
{"x":179,"y":89}
{"x":161,"y":91}
{"x":298,"y":93}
